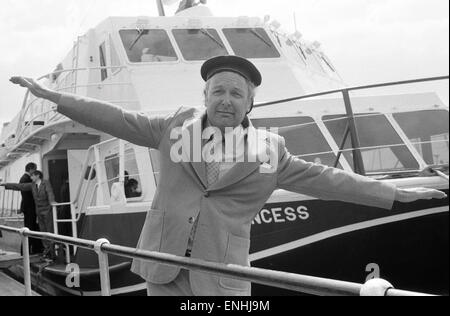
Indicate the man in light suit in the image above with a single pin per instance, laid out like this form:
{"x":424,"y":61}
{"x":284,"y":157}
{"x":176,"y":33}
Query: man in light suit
{"x":204,"y":207}
{"x":43,"y":198}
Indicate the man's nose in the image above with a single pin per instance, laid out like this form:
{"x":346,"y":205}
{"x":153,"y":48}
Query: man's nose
{"x":226,"y":99}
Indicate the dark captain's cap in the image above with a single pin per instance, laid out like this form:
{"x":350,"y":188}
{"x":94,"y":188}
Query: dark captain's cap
{"x":235,"y":64}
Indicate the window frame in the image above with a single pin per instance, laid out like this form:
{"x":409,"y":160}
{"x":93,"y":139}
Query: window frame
{"x":103,"y":60}
{"x":417,"y":154}
{"x":151,"y":63}
{"x":180,"y":50}
{"x":394,"y":127}
{"x":276,"y":45}
{"x":327,"y":139}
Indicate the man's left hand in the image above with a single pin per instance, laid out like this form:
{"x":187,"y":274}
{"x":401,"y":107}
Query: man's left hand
{"x":414,"y":194}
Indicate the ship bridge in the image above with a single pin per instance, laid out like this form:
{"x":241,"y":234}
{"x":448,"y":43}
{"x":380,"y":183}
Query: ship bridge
{"x":153,"y":63}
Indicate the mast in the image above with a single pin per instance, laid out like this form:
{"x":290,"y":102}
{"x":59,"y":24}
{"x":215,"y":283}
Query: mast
{"x":160,"y":8}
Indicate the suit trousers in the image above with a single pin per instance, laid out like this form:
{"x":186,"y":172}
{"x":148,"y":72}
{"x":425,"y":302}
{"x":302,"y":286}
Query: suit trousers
{"x":181,"y":286}
{"x":30,"y":222}
{"x":45,"y":220}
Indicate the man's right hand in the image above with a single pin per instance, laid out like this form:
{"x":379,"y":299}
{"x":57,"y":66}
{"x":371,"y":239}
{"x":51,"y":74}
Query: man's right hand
{"x":36,"y":88}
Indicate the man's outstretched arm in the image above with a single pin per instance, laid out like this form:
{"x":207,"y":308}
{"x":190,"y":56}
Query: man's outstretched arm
{"x":17,"y":186}
{"x":134,"y":127}
{"x":334,"y":184}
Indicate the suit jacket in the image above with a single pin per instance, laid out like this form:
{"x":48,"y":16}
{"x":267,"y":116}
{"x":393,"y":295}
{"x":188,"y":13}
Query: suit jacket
{"x":43,"y":196}
{"x":226,"y":209}
{"x":27,"y":205}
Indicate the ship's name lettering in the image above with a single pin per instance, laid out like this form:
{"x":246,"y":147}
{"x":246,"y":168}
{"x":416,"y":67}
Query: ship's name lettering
{"x":281,"y":215}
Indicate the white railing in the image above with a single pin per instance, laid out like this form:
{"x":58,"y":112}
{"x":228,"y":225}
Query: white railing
{"x":289,"y":281}
{"x":28,"y":105}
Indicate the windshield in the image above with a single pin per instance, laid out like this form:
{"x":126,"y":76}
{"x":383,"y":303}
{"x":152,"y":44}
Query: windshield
{"x":199,"y":44}
{"x":428,"y":131}
{"x":382,"y":148}
{"x":147,"y":46}
{"x":303,"y":138}
{"x":251,"y":43}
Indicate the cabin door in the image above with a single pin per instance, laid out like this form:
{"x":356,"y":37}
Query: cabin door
{"x":56,"y":171}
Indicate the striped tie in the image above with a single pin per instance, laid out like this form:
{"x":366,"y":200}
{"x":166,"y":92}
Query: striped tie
{"x":212,"y":172}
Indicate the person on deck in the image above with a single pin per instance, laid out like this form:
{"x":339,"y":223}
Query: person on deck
{"x":43,"y":198}
{"x":28,"y":209}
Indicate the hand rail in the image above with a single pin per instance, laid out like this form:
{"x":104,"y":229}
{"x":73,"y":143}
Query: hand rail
{"x":354,"y":88}
{"x":290,"y":281}
{"x":358,"y":163}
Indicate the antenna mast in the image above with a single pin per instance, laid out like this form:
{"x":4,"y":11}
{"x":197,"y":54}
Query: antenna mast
{"x":160,"y":8}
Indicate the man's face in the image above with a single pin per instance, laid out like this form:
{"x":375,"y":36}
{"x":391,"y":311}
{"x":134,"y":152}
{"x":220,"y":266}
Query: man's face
{"x":227,"y":100}
{"x":34,"y":178}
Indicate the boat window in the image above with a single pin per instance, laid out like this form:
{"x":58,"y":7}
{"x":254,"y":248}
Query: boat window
{"x":145,"y":46}
{"x":303,"y":138}
{"x":381,"y":147}
{"x":292,"y":52}
{"x":112,"y":169}
{"x":302,"y":51}
{"x":328,"y":63}
{"x":199,"y":44}
{"x":115,"y":61}
{"x":155,"y":159}
{"x":251,"y":43}
{"x":315,"y":61}
{"x":428,"y":131}
{"x":132,"y":183}
{"x":104,"y":71}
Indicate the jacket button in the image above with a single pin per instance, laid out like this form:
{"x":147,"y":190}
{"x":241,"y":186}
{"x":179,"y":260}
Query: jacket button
{"x":191,"y":220}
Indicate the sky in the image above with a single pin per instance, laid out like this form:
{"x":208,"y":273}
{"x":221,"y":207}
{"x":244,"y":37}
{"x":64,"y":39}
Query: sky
{"x":369,"y":41}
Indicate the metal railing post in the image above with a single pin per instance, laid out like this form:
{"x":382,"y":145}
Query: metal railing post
{"x":357,"y":156}
{"x":55,"y":220}
{"x":26,"y":261}
{"x":104,"y":266}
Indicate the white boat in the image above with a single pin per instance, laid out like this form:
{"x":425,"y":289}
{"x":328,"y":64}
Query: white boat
{"x":152,"y":64}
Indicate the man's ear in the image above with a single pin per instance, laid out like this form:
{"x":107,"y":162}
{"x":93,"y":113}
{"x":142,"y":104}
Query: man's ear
{"x":252,"y":102}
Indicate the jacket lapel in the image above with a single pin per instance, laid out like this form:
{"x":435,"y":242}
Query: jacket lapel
{"x":192,"y":143}
{"x":256,"y":142}
{"x":41,"y":186}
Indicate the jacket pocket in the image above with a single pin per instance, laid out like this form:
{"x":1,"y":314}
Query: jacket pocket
{"x":236,"y":253}
{"x":152,"y":231}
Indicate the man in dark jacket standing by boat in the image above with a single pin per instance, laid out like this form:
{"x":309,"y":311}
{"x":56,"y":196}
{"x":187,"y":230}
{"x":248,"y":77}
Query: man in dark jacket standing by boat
{"x":43,"y":198}
{"x":28,"y":208}
{"x":204,"y":207}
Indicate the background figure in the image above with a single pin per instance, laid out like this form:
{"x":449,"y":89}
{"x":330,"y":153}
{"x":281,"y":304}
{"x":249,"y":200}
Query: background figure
{"x":131,"y":189}
{"x":28,"y":209}
{"x":43,"y":198}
